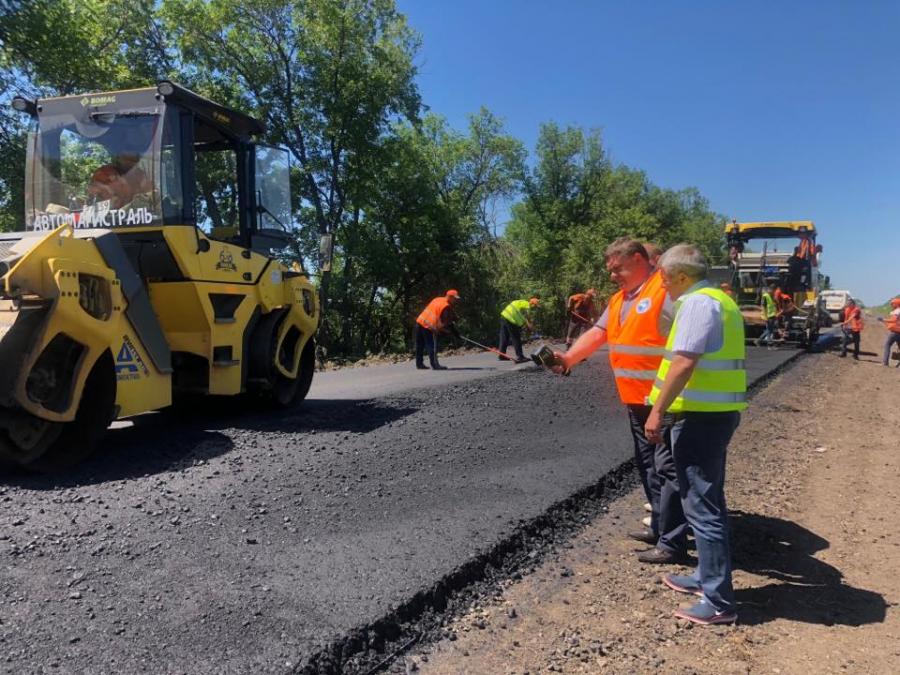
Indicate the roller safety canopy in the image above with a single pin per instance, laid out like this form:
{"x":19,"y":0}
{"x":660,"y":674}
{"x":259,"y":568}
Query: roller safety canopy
{"x":786,"y":229}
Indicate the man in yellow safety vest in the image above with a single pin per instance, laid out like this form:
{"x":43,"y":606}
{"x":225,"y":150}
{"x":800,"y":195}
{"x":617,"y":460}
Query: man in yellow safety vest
{"x":514,"y":317}
{"x":702,"y":382}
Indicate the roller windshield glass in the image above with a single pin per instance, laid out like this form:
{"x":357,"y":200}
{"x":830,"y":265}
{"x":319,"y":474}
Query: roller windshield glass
{"x":92,"y":167}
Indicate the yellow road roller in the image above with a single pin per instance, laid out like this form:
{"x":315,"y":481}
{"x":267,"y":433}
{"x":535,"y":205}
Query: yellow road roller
{"x":151,"y":265}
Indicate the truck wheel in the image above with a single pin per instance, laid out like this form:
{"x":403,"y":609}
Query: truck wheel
{"x":79,"y":438}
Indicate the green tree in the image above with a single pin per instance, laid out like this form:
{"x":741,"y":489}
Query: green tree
{"x":424,"y":226}
{"x":576,"y":202}
{"x":327,"y":76}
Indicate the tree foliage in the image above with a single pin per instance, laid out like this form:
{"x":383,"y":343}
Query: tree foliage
{"x":414,"y":205}
{"x":575,"y":202}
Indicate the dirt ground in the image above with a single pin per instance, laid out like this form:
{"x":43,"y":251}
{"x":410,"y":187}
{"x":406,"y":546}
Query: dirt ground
{"x":812,"y":489}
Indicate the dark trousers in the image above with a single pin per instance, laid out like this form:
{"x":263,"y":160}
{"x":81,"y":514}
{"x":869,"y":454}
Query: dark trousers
{"x":510,"y":333}
{"x":851,"y":336}
{"x":699,"y":446}
{"x":892,"y":339}
{"x":576,"y":328}
{"x":656,"y":468}
{"x":426,"y":340}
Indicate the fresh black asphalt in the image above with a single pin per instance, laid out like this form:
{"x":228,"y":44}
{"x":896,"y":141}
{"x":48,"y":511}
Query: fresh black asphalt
{"x":218,"y":539}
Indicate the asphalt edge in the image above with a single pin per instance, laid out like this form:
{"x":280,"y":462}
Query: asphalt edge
{"x":374,"y":647}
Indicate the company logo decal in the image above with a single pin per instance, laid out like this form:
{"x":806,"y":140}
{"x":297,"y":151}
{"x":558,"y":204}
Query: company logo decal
{"x":129,"y":364}
{"x":226,"y":261}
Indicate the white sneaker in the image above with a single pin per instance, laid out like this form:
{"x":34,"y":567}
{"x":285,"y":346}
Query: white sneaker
{"x":646,"y":521}
{"x":648,"y":508}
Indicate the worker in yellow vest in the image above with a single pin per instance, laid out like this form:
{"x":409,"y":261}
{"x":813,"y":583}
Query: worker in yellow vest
{"x":514,"y":317}
{"x":702,"y":382}
{"x":635,"y":325}
{"x":769,"y":314}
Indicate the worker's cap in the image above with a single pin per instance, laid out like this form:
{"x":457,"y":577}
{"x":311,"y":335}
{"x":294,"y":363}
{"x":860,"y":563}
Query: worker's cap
{"x":591,"y":292}
{"x":452,"y":293}
{"x":895,"y":302}
{"x":534,"y":302}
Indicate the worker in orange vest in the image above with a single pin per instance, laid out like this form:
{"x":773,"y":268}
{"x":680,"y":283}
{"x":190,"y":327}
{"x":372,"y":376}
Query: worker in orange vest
{"x":852,"y":327}
{"x":635,"y":324}
{"x":807,"y":247}
{"x":582,"y":314}
{"x":892,"y":323}
{"x":438,"y":317}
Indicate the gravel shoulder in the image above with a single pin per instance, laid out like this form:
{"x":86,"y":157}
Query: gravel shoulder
{"x":811,"y":487}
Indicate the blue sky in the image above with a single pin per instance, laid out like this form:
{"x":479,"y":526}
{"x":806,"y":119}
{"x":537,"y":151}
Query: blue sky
{"x":773,"y":110}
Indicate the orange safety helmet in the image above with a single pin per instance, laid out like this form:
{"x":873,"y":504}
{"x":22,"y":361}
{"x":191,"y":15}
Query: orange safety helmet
{"x":895,"y":302}
{"x":452,"y":294}
{"x":534,"y":302}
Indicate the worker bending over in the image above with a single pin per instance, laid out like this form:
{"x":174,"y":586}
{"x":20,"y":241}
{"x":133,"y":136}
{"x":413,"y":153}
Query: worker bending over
{"x":438,"y":317}
{"x":702,"y":384}
{"x":515,"y":316}
{"x":635,"y":324}
{"x":582,"y":313}
{"x":892,"y":323}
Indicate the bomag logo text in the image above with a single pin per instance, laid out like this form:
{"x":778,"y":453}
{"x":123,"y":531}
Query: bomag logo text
{"x":97,"y":100}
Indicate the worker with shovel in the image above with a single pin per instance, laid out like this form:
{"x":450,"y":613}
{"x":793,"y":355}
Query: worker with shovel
{"x":438,"y":317}
{"x":635,"y":324}
{"x":515,"y":316}
{"x":582,"y":314}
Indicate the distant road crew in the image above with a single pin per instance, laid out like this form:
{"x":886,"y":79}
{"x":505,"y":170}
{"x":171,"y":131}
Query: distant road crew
{"x":635,"y":324}
{"x":438,"y":317}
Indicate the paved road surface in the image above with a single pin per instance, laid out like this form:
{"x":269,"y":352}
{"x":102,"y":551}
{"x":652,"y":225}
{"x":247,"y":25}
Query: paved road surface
{"x":224,"y":540}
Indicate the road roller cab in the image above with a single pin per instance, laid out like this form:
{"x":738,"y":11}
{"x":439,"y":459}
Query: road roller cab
{"x":149,"y":266}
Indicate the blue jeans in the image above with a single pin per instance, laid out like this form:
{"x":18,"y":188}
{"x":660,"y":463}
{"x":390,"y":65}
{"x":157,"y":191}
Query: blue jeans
{"x":656,"y":468}
{"x":699,"y":445}
{"x":892,"y":339}
{"x":769,"y":333}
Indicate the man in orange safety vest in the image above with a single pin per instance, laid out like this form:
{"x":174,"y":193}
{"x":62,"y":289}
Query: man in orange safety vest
{"x":636,"y":324}
{"x":438,"y":317}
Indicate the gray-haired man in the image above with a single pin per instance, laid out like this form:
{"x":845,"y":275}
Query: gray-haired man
{"x":703,"y":384}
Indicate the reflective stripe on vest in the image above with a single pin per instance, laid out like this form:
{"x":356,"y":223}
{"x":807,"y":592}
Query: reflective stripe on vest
{"x":724,"y":364}
{"x":634,"y":374}
{"x":719,"y":380}
{"x":431,"y":316}
{"x":514,"y":312}
{"x":636,"y":346}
